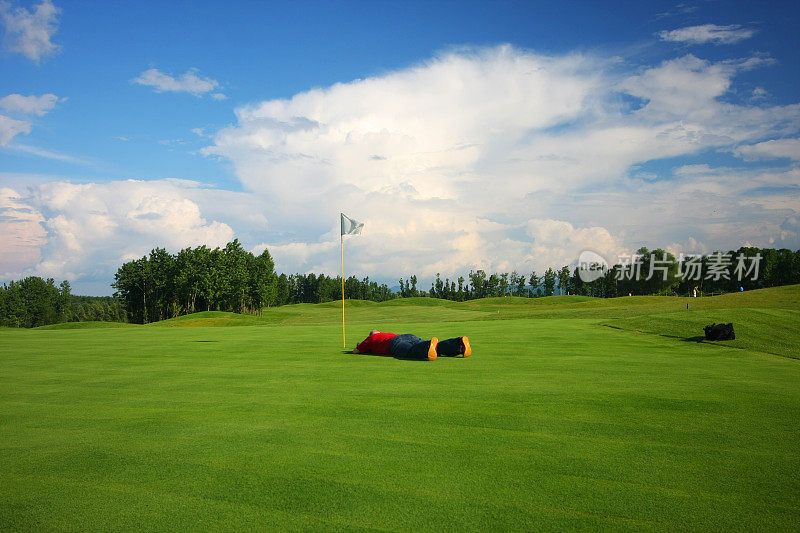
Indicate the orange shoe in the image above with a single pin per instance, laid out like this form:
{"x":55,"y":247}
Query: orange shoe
{"x":432,"y":349}
{"x":466,"y":349}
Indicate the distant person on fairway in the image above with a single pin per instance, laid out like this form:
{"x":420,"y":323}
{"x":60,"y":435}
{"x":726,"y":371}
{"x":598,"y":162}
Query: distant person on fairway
{"x":407,"y":346}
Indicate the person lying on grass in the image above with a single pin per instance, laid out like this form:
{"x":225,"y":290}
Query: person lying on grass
{"x":407,"y":346}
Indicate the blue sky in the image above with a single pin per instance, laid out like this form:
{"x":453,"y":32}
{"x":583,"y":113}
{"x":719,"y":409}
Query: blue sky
{"x":282,"y":108}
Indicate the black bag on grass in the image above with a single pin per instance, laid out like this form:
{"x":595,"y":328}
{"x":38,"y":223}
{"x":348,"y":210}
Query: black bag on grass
{"x":719,"y":332}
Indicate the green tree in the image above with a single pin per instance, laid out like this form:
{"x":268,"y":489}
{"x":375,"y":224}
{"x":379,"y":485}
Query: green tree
{"x":162,"y":284}
{"x":477,"y":281}
{"x":549,"y":282}
{"x":460,"y":296}
{"x":492,"y":284}
{"x":564,"y":279}
{"x":63,"y":306}
{"x":282,"y":290}
{"x":262,"y":282}
{"x":534,"y":281}
{"x":503,"y":284}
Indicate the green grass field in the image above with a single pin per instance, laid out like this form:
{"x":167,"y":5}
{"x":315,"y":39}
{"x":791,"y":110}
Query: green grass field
{"x":572,"y":413}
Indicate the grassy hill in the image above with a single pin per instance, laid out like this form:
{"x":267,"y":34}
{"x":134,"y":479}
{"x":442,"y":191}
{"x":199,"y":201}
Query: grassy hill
{"x":432,"y":309}
{"x":765,"y":330}
{"x":89,"y":324}
{"x":763,"y":318}
{"x":556,"y":421}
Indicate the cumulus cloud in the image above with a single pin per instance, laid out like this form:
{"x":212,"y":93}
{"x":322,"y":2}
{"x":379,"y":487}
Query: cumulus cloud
{"x":560,"y":243}
{"x":773,"y":149}
{"x":29,"y":105}
{"x":438,"y":128}
{"x":445,"y":243}
{"x":707,"y":33}
{"x":86,"y":231}
{"x":500,"y":159}
{"x":188,"y":82}
{"x":29,"y":32}
{"x":9,"y":128}
{"x":446,"y":161}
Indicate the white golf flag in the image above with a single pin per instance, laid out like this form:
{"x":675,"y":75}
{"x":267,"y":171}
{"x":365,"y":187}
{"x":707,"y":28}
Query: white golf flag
{"x":350,"y":226}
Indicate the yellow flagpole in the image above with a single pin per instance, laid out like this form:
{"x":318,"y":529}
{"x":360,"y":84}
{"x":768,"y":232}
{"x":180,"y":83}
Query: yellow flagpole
{"x":344,"y":342}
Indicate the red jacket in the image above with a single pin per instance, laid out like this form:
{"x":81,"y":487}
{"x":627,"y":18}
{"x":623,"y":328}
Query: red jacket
{"x":376,"y":343}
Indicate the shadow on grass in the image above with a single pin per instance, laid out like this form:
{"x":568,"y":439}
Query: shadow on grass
{"x":350,"y":352}
{"x":698,"y":338}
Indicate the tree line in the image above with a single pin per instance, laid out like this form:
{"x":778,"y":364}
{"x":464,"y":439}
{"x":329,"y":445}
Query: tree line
{"x":313,"y":288}
{"x":479,"y":284}
{"x":33,"y":302}
{"x":646,"y":272}
{"x":161,"y":285}
{"x":661,"y":273}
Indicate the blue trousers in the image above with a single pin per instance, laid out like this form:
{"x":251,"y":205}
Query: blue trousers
{"x":407,"y":346}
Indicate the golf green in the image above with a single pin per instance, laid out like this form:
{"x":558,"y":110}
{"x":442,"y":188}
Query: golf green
{"x":553,"y":423}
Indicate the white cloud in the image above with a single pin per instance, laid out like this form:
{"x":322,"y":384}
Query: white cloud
{"x":188,"y":82}
{"x":689,"y":246}
{"x":29,"y":32}
{"x":9,"y":128}
{"x":679,"y":86}
{"x":48,"y":154}
{"x":560,"y":243}
{"x":759,"y":94}
{"x":790,"y":228}
{"x":26,"y":105}
{"x":425,"y":153}
{"x":680,"y":9}
{"x":773,"y":149}
{"x":707,"y":33}
{"x":29,"y":105}
{"x":436,"y":127}
{"x":21,"y":230}
{"x":171,"y":142}
{"x":219,"y":96}
{"x":92,"y":228}
{"x":500,"y":159}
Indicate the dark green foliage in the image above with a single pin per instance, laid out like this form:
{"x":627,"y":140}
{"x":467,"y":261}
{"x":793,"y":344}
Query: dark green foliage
{"x":408,"y":289}
{"x":34,"y":302}
{"x":96,"y":309}
{"x":549,"y":282}
{"x":716,"y":273}
{"x":163,"y":285}
{"x":310,"y":288}
{"x":564,"y":280}
{"x":659,"y":273}
{"x":534,"y":281}
{"x":478,"y":283}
